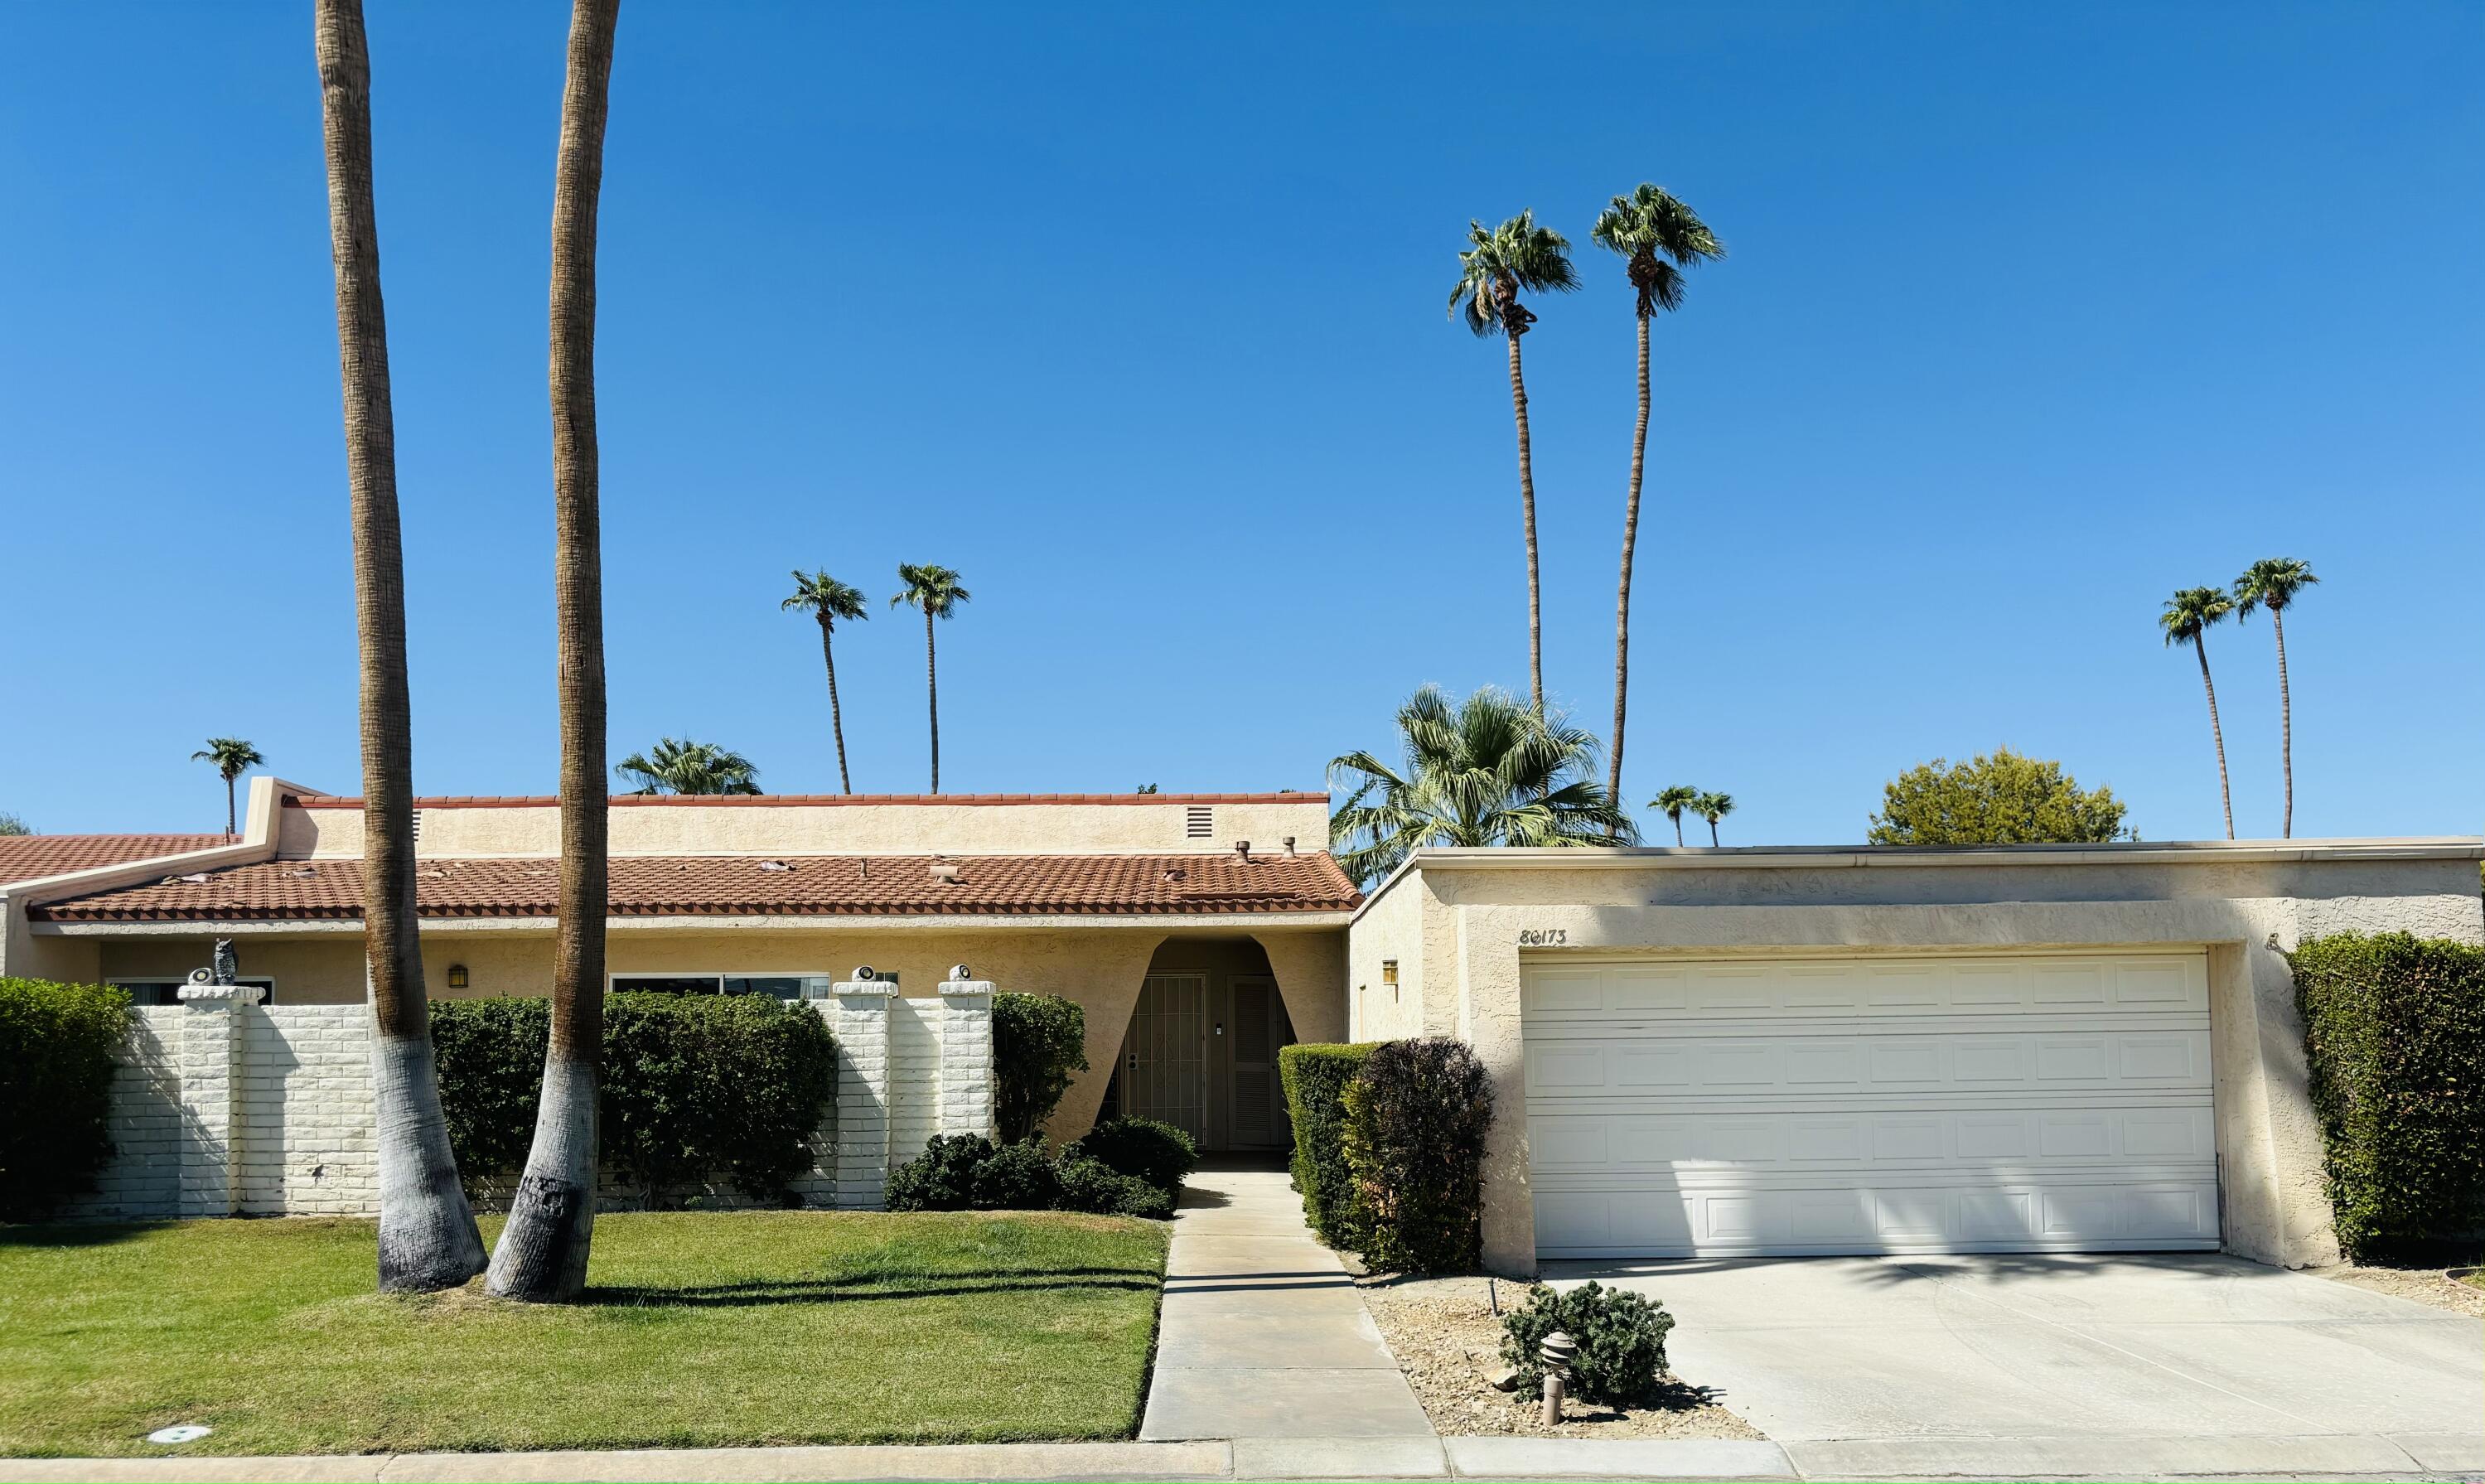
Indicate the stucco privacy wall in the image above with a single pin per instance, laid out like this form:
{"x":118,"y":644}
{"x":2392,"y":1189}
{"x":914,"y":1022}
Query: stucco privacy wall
{"x":225,"y":1107}
{"x":1477,"y":914}
{"x":858,"y":825}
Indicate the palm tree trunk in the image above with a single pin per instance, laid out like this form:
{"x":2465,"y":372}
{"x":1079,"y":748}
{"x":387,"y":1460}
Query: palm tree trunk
{"x":427,"y":1238}
{"x":232,"y":819}
{"x":1712,"y":832}
{"x":543,"y":1250}
{"x":2286,"y":728}
{"x":836,"y":714}
{"x":2226,"y":795}
{"x":1527,"y":511}
{"x":931,"y":688}
{"x":1678,"y":830}
{"x":1621,"y":604}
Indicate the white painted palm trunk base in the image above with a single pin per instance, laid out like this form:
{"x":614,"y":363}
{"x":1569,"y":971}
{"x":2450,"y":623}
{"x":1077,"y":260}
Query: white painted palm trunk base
{"x":427,"y":1235}
{"x":542,"y":1253}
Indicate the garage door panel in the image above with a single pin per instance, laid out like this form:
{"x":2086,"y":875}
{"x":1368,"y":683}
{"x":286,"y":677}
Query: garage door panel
{"x":2046,"y":1102}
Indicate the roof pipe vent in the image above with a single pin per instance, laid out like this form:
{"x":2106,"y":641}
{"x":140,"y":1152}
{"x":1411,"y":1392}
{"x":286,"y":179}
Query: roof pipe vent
{"x":1289,"y":843}
{"x":1242,"y":849}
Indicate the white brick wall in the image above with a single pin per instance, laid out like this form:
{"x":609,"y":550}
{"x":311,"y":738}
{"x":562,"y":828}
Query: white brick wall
{"x":222,"y":1108}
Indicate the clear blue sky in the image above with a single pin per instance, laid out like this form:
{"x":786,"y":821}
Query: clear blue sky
{"x":2033,"y":313}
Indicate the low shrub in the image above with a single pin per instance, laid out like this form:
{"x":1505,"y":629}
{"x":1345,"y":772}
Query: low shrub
{"x":1415,"y":1120}
{"x":1094,"y":1186}
{"x":1316,"y":1077}
{"x":942,"y":1177}
{"x":62,"y":1042}
{"x":970,"y":1172}
{"x":1158,"y":1153}
{"x":1017,"y":1177}
{"x":2394,"y":1036}
{"x":694,"y":1086}
{"x":1038,"y":1041}
{"x":1620,"y":1337}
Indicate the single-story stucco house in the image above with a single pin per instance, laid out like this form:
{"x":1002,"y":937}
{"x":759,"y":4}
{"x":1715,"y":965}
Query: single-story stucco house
{"x":1695,"y":1052}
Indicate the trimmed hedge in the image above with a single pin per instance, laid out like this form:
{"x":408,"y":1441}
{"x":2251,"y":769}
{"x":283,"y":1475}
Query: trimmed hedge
{"x":970,"y":1172}
{"x":693,"y":1085}
{"x":1316,"y":1077}
{"x":1143,"y":1148}
{"x":1620,"y":1336}
{"x":2394,"y":1032}
{"x":60,"y":1044}
{"x":1415,"y":1121}
{"x":1038,"y":1041}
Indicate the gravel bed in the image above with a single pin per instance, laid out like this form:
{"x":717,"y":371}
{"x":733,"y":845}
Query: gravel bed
{"x":1445,"y":1335}
{"x":2427,"y":1286}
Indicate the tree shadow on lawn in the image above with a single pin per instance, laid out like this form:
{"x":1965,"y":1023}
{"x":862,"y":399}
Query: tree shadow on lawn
{"x":77,"y":1233}
{"x":867,"y":1287}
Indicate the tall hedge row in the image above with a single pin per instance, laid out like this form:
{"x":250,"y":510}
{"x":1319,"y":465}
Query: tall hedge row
{"x":693,"y":1085}
{"x":58,"y":1046}
{"x":1316,"y":1077}
{"x":2394,"y":1033}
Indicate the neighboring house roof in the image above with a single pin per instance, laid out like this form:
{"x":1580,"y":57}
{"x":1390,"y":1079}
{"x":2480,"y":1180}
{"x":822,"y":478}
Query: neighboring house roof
{"x":814,"y":799}
{"x":27,"y":856}
{"x":751,"y":885}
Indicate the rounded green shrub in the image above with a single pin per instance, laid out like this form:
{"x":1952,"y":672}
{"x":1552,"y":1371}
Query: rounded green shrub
{"x":1620,"y":1337}
{"x":1158,"y":1153}
{"x":59,"y":1044}
{"x":1038,"y":1042}
{"x":942,"y":1177}
{"x":1091,"y":1185}
{"x":1015,"y":1177}
{"x":1415,"y":1119}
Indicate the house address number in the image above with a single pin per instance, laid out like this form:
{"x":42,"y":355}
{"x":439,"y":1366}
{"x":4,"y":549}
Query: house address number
{"x":1542,"y":937}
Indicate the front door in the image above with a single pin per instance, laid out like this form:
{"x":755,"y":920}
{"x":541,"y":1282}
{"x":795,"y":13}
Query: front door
{"x":1165,"y":1059}
{"x":1260,"y":1027}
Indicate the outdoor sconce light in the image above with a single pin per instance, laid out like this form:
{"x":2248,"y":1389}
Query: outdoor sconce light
{"x":1389,"y":971}
{"x":456,"y":975}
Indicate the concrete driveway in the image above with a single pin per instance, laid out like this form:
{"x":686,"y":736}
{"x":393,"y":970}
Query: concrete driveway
{"x":2128,"y":1365}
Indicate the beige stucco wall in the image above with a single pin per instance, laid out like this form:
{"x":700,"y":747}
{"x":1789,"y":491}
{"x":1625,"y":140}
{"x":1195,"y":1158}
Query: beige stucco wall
{"x":1462,"y":940}
{"x":670,"y":828}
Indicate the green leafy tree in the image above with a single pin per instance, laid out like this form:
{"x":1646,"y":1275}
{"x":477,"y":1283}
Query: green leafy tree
{"x":828,"y":600}
{"x":679,"y":765}
{"x":1498,"y":265}
{"x":12,"y":824}
{"x":2186,"y":621}
{"x":936,"y":592}
{"x":1675,"y":801}
{"x":1486,"y":772}
{"x":2275,"y":584}
{"x":1657,"y":237}
{"x":2005,"y":798}
{"x":231,"y":757}
{"x":1713,"y":807}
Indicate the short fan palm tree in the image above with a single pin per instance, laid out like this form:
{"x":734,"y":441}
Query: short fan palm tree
{"x":1713,"y":807}
{"x":1487,"y":771}
{"x":1675,"y":801}
{"x":679,"y":765}
{"x":233,"y":757}
{"x":828,"y":600}
{"x":2186,"y":621}
{"x":1657,"y":237}
{"x":1500,"y":264}
{"x":2275,"y":584}
{"x":934,"y":590}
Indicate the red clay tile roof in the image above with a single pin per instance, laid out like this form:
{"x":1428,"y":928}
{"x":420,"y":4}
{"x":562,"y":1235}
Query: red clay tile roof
{"x":814,"y":799}
{"x":25,"y":857}
{"x":739,"y":886}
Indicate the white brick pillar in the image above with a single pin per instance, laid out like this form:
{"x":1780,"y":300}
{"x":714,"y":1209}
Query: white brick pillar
{"x":210,"y":1061}
{"x":857,"y":1016}
{"x":966,"y":1029}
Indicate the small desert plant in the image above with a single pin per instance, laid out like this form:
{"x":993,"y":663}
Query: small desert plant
{"x":1620,"y":1337}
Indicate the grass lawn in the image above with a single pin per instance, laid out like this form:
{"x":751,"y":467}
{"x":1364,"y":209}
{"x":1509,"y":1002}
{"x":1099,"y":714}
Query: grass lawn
{"x":697,"y":1328}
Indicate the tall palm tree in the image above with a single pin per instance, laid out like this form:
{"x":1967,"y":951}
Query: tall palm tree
{"x":1713,"y":807}
{"x":1657,"y":235}
{"x":935,"y":590}
{"x":233,"y":757}
{"x":1500,"y":264}
{"x":2186,"y":621}
{"x":427,"y":1239}
{"x":828,"y":600}
{"x":679,"y":765}
{"x":2275,"y":584}
{"x":1485,"y":772}
{"x":1674,"y":801}
{"x":543,"y":1248}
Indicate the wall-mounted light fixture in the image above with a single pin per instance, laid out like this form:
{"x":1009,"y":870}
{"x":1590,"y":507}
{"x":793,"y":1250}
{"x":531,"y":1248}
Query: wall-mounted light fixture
{"x":456,"y":975}
{"x":1389,"y":971}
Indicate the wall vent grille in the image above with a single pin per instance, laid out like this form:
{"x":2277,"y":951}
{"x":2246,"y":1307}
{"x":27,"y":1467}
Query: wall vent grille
{"x":1202,"y":822}
{"x":418,"y":826}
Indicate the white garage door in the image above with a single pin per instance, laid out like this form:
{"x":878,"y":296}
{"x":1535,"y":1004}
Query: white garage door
{"x":2029,"y":1102}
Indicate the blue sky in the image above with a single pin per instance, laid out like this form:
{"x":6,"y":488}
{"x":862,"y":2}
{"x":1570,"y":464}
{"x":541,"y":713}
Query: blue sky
{"x":2034,"y":314}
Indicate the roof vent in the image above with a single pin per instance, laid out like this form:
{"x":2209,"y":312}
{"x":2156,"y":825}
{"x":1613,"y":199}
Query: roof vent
{"x":1289,"y":843}
{"x":944,"y":870}
{"x":1201,"y":822}
{"x":1243,"y":848}
{"x":417,"y":827}
{"x":774,"y":865}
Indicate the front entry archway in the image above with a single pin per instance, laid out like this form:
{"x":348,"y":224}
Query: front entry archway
{"x":1201,"y":1052}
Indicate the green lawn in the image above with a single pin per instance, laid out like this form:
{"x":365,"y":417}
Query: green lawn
{"x":698,"y":1329}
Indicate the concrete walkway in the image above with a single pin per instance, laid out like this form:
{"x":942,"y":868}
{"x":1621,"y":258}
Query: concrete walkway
{"x":1263,"y":1334}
